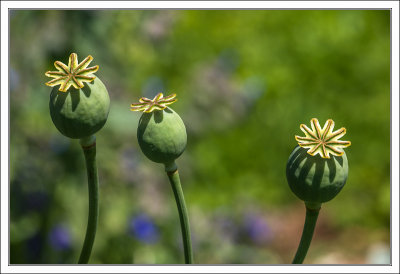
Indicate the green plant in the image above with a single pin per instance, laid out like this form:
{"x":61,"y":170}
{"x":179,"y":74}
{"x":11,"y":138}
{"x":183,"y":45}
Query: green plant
{"x":79,"y":114}
{"x":314,"y":176}
{"x":162,"y":138}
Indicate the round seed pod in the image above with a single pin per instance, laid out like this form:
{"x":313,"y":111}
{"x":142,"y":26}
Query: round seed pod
{"x":80,"y":113}
{"x":314,"y":179}
{"x":162,"y":135}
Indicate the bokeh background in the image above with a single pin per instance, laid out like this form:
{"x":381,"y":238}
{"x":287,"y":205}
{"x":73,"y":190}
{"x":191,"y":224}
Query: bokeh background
{"x":245,"y":81}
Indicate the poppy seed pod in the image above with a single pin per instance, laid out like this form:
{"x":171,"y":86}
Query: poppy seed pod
{"x":83,"y":111}
{"x":161,"y":132}
{"x":314,"y":178}
{"x":162,"y":135}
{"x":80,"y":113}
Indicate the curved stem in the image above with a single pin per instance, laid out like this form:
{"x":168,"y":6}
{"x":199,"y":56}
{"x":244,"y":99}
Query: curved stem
{"x":306,"y":237}
{"x":89,"y":150}
{"x":174,"y":179}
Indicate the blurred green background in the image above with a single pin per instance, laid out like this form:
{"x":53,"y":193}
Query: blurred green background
{"x":245,"y":81}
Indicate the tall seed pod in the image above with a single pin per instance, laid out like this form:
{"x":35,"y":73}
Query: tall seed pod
{"x":314,"y":176}
{"x":79,"y":113}
{"x":162,"y":138}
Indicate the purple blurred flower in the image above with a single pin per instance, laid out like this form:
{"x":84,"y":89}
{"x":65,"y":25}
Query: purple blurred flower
{"x":60,"y":238}
{"x":129,"y":162}
{"x":226,"y":227}
{"x":257,"y":228}
{"x":143,"y":228}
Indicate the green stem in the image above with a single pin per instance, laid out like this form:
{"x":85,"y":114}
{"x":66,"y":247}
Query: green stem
{"x":306,"y":237}
{"x":173,"y":176}
{"x":89,"y":150}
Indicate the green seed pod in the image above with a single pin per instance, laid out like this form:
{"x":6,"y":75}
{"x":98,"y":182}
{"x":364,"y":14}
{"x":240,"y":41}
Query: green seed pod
{"x":79,"y":113}
{"x":162,"y":135}
{"x":82,"y":111}
{"x":161,"y":132}
{"x":314,"y":178}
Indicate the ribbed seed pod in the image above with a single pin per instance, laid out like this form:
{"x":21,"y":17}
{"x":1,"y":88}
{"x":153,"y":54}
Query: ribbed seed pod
{"x":314,"y":179}
{"x":313,"y":175}
{"x":316,"y":171}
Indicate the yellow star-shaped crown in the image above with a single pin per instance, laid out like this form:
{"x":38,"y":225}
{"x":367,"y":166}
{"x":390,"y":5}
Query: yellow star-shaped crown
{"x":323,"y":141}
{"x":72,"y":75}
{"x":158,"y":103}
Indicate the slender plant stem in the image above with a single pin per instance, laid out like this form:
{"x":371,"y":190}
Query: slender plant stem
{"x":89,"y":150}
{"x":306,"y":237}
{"x":183,"y":214}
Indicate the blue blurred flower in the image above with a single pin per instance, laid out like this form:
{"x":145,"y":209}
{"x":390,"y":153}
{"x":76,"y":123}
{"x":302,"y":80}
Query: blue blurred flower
{"x":60,"y":238}
{"x":143,"y":228}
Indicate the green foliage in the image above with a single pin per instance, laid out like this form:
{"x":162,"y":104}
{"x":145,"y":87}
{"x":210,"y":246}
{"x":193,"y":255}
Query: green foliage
{"x":245,"y":81}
